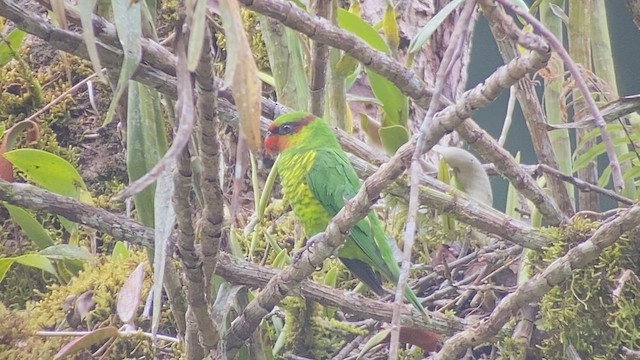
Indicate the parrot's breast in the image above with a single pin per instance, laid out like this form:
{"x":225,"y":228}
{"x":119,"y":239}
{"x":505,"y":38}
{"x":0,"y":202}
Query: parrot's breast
{"x":293,"y":169}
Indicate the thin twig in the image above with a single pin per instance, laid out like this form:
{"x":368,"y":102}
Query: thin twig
{"x":70,"y":91}
{"x":583,"y":185}
{"x":606,"y":235}
{"x":508,"y":117}
{"x":121,"y":333}
{"x":415,"y":169}
{"x":616,"y":172}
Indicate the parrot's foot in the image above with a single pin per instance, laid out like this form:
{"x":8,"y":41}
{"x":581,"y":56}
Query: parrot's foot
{"x":310,"y":247}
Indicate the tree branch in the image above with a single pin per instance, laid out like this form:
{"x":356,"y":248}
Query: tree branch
{"x":531,"y":291}
{"x":231,"y":268}
{"x":321,"y":30}
{"x":503,"y":28}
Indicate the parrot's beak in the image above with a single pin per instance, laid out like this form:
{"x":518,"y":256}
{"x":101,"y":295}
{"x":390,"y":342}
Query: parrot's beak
{"x":271,"y":144}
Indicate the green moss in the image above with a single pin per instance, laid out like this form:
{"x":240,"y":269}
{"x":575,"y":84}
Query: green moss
{"x":253,"y":31}
{"x":105,"y":281}
{"x":583,"y":310}
{"x":309,"y":333}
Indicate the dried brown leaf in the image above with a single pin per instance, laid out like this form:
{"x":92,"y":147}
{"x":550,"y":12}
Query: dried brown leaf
{"x":129,"y":296}
{"x":242,"y":73}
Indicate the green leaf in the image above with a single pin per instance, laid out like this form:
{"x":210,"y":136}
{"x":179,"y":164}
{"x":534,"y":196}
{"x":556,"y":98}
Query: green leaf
{"x":274,"y":244}
{"x":66,"y":252}
{"x":354,"y":24}
{"x":128,"y":21}
{"x":146,"y":142}
{"x":7,"y":51}
{"x":120,"y":251}
{"x":371,"y":128}
{"x":5,"y":264}
{"x":595,"y":134}
{"x":281,"y":260}
{"x":393,"y":137}
{"x":36,"y":261}
{"x":390,"y":27}
{"x":590,"y":155}
{"x":430,"y":27}
{"x":395,"y":103}
{"x":85,"y":9}
{"x":27,"y":222}
{"x":50,"y":172}
{"x":448,"y":222}
{"x":375,"y":340}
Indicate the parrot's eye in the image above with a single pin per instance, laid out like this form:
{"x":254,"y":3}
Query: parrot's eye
{"x":285,"y":129}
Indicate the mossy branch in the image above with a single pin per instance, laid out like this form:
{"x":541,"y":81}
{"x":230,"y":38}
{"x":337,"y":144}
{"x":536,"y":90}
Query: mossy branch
{"x":580,"y":256}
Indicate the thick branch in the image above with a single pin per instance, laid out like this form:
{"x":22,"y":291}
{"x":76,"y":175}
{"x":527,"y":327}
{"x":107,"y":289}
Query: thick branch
{"x":210,"y":225}
{"x":35,"y":198}
{"x":196,"y":280}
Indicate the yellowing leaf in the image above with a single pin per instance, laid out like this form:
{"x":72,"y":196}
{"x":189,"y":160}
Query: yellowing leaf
{"x":242,"y":73}
{"x":390,"y":27}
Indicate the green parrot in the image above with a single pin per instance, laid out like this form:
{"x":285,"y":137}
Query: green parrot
{"x":317,"y":179}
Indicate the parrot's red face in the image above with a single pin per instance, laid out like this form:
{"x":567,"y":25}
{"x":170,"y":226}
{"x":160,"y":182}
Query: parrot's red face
{"x":283,"y":134}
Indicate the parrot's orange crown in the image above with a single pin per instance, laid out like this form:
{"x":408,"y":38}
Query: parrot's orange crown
{"x":285,"y":131}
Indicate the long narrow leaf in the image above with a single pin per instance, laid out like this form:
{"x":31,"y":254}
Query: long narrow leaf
{"x":430,"y":27}
{"x":165,"y":217}
{"x":85,"y":9}
{"x":129,"y":25}
{"x":27,"y":222}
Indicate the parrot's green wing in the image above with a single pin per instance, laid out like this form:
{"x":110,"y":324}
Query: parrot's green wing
{"x":332,"y":180}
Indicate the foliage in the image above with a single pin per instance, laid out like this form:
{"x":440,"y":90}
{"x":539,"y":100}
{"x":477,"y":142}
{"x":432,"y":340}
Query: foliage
{"x":595,"y":310}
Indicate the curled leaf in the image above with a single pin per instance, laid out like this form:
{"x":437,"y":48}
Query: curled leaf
{"x":9,"y":140}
